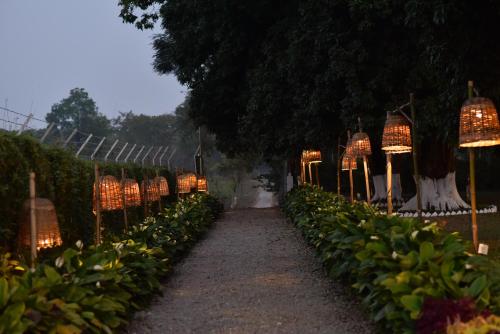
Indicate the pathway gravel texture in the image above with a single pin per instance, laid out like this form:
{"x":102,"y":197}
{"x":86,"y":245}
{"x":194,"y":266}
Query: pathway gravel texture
{"x":252,"y":273}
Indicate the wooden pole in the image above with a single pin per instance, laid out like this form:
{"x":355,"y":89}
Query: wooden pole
{"x":124,"y":200}
{"x":33,"y":230}
{"x":351,"y":182}
{"x":339,"y":166}
{"x":472,"y":185}
{"x":389,"y":184}
{"x":317,"y":174}
{"x":367,"y":180}
{"x":415,"y":156}
{"x":310,"y":174}
{"x":97,"y":205}
{"x":146,"y":184}
{"x":158,"y":186}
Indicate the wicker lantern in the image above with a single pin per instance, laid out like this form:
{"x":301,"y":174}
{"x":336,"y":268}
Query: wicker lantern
{"x":110,"y":194}
{"x":132,"y":192}
{"x":360,"y":145}
{"x":47,"y":228}
{"x":346,"y":161}
{"x":311,"y":156}
{"x":183,"y":184}
{"x":193,"y":180}
{"x":202,"y":184}
{"x":163,"y":185}
{"x":479,"y":124}
{"x":153,"y":192}
{"x":349,"y":150}
{"x":397,"y":137}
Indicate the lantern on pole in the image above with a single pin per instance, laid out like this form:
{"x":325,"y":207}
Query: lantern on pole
{"x":312,"y":157}
{"x":110,"y":195}
{"x":351,"y":162}
{"x":202,"y":184}
{"x":479,"y":127}
{"x":183,"y":184}
{"x":132,"y":192}
{"x":150,"y":192}
{"x":361,"y":147}
{"x":47,"y":228}
{"x":162,"y":185}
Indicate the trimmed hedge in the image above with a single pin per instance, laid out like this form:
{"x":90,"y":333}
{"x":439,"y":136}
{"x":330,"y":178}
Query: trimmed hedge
{"x":64,"y":179}
{"x":393,"y":263}
{"x":95,"y":289}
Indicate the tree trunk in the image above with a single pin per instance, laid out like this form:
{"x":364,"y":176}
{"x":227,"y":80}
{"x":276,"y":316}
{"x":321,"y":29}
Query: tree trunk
{"x":380,"y":195}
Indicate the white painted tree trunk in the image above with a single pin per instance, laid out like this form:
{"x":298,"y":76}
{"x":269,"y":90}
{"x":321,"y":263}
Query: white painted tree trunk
{"x":380,"y":184}
{"x":437,"y":194}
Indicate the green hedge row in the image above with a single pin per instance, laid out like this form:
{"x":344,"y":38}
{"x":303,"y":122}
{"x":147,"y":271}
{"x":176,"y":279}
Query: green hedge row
{"x":395,"y":264}
{"x":95,"y":289}
{"x":64,"y":179}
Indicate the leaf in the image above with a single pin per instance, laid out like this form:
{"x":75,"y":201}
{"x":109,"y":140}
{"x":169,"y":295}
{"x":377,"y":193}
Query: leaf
{"x":478,"y":286}
{"x":52,"y":275}
{"x":412,"y":302}
{"x":426,"y":251}
{"x":67,"y":329}
{"x":4,"y":292}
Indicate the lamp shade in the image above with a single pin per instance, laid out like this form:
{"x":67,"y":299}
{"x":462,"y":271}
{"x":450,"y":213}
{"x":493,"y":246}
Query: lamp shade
{"x":183,"y":184}
{"x":479,"y":123}
{"x":349,"y":151}
{"x":346,"y":161}
{"x":162,"y":184}
{"x":202,"y":184}
{"x":311,"y":156}
{"x":47,"y":227}
{"x":360,"y":143}
{"x":132,"y":192}
{"x":397,"y":136}
{"x":110,"y":194}
{"x":193,"y":180}
{"x":151,"y":191}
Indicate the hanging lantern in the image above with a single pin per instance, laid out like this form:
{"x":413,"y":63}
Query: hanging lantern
{"x":479,"y":124}
{"x":202,"y":184}
{"x":346,"y":161}
{"x":110,"y":194}
{"x":47,"y":227}
{"x":397,"y":137}
{"x":163,"y":185}
{"x":183,"y":184}
{"x":132,"y":192}
{"x":360,"y":145}
{"x":152,"y":191}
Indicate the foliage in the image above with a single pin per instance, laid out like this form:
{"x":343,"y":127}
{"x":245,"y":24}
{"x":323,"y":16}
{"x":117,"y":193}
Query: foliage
{"x":60,"y":177}
{"x":393,"y":263}
{"x":478,"y":325}
{"x":94,"y":290}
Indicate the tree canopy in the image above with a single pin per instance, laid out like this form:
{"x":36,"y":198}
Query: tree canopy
{"x":277,"y":76}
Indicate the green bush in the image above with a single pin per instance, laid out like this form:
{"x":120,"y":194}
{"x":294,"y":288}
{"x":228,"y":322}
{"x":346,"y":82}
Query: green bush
{"x":62,"y":178}
{"x":392,"y":262}
{"x":95,"y":289}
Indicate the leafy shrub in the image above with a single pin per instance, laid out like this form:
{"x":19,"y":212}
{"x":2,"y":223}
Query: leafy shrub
{"x":479,"y":325}
{"x":95,"y":289}
{"x":393,"y":263}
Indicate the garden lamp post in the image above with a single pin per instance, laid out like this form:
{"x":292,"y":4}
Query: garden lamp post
{"x":361,"y":148}
{"x":350,"y":163}
{"x":479,"y":127}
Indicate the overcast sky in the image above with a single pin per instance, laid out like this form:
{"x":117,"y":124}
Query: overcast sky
{"x":49,"y":47}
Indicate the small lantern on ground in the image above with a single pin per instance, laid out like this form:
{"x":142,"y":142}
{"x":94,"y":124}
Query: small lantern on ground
{"x":162,"y":184}
{"x":132,"y":192}
{"x":109,"y":194}
{"x":47,"y":228}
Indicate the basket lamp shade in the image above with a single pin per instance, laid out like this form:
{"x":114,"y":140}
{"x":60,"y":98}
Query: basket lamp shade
{"x":479,"y":124}
{"x":349,"y":163}
{"x":47,"y":227}
{"x":202,"y":184}
{"x":183,"y":184}
{"x":397,"y":135}
{"x":311,"y":156}
{"x":360,"y":145}
{"x":193,"y":180}
{"x":152,"y":192}
{"x":132,"y":192}
{"x":110,"y":195}
{"x":163,"y":185}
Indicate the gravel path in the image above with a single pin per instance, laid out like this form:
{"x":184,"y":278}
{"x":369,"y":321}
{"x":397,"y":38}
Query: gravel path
{"x":253,"y":273}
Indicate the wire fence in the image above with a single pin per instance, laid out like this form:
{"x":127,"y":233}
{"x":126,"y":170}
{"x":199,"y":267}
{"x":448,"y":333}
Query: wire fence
{"x":86,"y":145}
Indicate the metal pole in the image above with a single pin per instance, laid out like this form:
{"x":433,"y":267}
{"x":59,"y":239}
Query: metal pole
{"x":83,"y":145}
{"x":25,"y":124}
{"x":472,"y":185}
{"x":110,"y":150}
{"x":97,"y":148}
{"x":139,"y":153}
{"x":163,"y":154}
{"x":72,"y":134}
{"x":121,"y":151}
{"x":170,"y":157}
{"x":367,"y":180}
{"x":129,"y":153}
{"x":156,"y":154}
{"x":389,"y":183}
{"x":415,"y":155}
{"x":97,"y":204}
{"x":49,"y":129}
{"x":145,"y":155}
{"x":124,"y":200}
{"x":33,"y":227}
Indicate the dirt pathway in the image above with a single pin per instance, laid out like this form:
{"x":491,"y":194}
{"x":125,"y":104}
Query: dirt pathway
{"x":253,"y":273}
